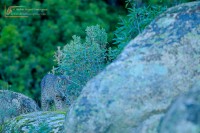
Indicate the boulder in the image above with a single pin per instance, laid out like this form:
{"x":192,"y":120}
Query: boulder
{"x":13,"y":104}
{"x":133,"y":93}
{"x":184,"y":115}
{"x":36,"y":122}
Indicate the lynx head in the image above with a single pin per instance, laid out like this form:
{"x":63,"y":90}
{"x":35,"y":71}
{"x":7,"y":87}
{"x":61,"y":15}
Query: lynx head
{"x":61,"y":87}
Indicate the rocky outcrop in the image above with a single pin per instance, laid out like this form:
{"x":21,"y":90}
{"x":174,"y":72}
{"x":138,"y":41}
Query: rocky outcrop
{"x":133,"y":93}
{"x":36,"y":122}
{"x":183,"y":115}
{"x":13,"y":104}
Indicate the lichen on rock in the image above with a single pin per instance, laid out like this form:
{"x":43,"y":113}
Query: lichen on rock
{"x":183,"y":115}
{"x":13,"y":104}
{"x":36,"y":122}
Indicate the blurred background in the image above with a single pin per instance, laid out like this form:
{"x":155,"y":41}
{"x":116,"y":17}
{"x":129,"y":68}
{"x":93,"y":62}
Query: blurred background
{"x":28,"y":45}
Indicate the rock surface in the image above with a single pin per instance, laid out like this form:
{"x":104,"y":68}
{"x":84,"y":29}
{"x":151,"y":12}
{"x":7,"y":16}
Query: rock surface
{"x":184,"y":115}
{"x":36,"y":122}
{"x":133,"y":93}
{"x":13,"y":104}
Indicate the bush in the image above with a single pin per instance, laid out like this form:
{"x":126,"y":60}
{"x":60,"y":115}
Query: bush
{"x":82,"y":60}
{"x":141,"y":13}
{"x":135,"y":22}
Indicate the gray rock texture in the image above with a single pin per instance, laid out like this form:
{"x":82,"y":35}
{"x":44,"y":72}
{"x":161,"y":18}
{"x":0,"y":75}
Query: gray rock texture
{"x":183,"y":115}
{"x":133,"y":92}
{"x":36,"y":122}
{"x":13,"y":104}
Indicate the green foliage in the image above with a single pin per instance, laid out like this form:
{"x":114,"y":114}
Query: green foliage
{"x":1,"y":128}
{"x":168,"y":3}
{"x":82,"y":60}
{"x":135,"y":22}
{"x":141,"y":13}
{"x":27,"y":45}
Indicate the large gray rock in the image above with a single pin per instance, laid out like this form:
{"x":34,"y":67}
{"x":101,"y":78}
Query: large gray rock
{"x":36,"y":122}
{"x":13,"y":104}
{"x":183,"y":115}
{"x":133,"y":93}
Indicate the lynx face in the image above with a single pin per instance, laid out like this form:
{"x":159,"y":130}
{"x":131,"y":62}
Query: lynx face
{"x":62,"y":82}
{"x":53,"y":88}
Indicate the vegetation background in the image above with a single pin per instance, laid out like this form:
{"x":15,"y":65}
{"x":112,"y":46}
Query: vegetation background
{"x":28,"y":45}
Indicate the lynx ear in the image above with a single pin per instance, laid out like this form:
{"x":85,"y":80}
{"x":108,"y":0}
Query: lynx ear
{"x":58,"y":79}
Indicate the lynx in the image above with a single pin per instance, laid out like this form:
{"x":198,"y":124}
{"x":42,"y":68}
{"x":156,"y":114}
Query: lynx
{"x":53,"y":90}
